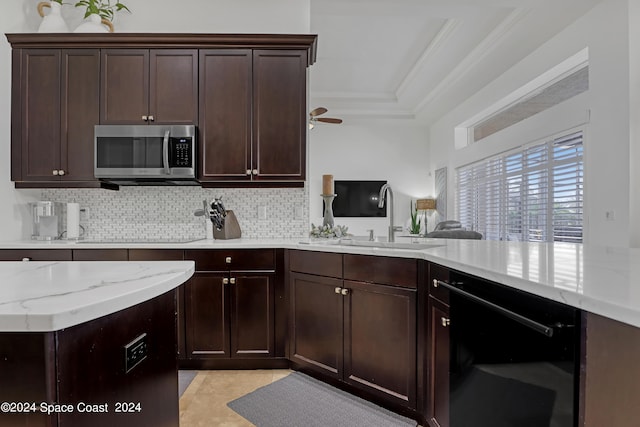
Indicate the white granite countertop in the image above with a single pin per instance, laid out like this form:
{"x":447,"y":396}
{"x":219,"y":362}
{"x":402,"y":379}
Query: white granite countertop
{"x":50,"y":296}
{"x":601,"y":280}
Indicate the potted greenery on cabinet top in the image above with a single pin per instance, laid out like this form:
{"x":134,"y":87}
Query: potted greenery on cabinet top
{"x":99,"y":12}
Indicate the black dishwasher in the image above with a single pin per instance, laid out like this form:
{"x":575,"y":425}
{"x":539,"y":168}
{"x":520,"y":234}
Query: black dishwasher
{"x":514,"y":357}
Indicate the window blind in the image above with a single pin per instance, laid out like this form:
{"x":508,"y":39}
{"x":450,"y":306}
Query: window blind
{"x":534,"y":193}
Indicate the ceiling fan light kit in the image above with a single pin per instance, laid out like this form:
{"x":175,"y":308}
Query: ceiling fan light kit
{"x":313,"y":117}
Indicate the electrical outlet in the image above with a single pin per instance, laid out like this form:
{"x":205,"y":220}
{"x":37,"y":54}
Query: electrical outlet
{"x":84,"y":214}
{"x":135,"y":352}
{"x":297,"y":212}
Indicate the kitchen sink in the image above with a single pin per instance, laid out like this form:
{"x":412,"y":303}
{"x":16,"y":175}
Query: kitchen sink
{"x":389,"y":245}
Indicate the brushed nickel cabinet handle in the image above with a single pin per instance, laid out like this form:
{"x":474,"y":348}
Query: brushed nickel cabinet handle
{"x":248,"y":172}
{"x":61,"y":172}
{"x":232,"y":280}
{"x":55,"y":172}
{"x":337,"y":290}
{"x":435,"y":283}
{"x":345,"y":291}
{"x":26,"y":259}
{"x":445,"y":322}
{"x":145,"y":118}
{"x":225,"y":281}
{"x":151,"y":118}
{"x":255,"y":171}
{"x":228,"y":260}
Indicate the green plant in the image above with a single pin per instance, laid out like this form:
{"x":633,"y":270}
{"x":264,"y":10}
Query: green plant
{"x":416,"y":222}
{"x":104,"y":8}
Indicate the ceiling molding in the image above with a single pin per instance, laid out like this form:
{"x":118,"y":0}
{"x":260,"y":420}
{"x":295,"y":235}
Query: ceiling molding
{"x":355,"y":97}
{"x":481,"y":51}
{"x":436,"y":43}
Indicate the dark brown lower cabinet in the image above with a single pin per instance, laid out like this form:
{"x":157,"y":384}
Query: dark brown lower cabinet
{"x":315,"y":338}
{"x":436,"y":395}
{"x":380,"y":341}
{"x":437,"y":405}
{"x":230,"y":315}
{"x":363,"y":334}
{"x":84,"y":365}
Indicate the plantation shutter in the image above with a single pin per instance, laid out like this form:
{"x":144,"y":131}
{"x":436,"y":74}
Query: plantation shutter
{"x":534,"y":193}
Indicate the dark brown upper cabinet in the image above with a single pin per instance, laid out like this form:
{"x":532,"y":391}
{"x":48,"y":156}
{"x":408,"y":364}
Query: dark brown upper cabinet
{"x":54,"y":108}
{"x":149,"y":86}
{"x":245,"y":92}
{"x":252,"y":115}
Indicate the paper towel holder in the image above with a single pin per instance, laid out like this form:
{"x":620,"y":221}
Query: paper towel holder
{"x":73,"y":230}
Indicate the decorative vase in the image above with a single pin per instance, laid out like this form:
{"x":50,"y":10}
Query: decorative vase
{"x":95,"y":24}
{"x":53,"y":22}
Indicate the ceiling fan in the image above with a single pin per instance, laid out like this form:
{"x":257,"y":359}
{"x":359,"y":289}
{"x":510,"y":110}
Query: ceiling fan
{"x":313,"y":117}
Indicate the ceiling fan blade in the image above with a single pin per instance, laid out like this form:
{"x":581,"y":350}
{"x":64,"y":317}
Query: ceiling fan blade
{"x":317,"y":111}
{"x":329,"y":120}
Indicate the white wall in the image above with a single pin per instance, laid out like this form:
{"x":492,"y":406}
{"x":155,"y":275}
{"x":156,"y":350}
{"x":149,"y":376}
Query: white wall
{"x":13,"y":207}
{"x":193,"y":16}
{"x":398,"y":154}
{"x":605,"y":31}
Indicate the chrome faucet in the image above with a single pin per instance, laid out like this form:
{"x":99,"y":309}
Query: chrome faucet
{"x":387,"y":189}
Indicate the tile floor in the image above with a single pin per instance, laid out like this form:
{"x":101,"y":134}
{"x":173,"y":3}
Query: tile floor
{"x":204,"y":402}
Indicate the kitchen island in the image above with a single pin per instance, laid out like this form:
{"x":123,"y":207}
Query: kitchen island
{"x":89,"y":343}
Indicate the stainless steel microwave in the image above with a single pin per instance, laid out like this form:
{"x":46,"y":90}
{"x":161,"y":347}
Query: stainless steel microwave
{"x":145,"y":152}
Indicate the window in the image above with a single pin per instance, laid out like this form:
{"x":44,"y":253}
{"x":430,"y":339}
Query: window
{"x":534,"y":193}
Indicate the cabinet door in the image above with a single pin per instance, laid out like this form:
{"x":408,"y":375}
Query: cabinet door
{"x":173,"y":91}
{"x":380,"y":341}
{"x":252,"y":314}
{"x":40,"y":114}
{"x":316,"y":323}
{"x":437,"y":392}
{"x":206,"y":308}
{"x":80,"y":112}
{"x":124,"y":90}
{"x":225,"y":114}
{"x":279,"y":114}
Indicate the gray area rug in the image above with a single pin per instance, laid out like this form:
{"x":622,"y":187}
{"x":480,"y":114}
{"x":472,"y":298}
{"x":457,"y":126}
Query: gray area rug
{"x":301,"y":401}
{"x":184,"y":379}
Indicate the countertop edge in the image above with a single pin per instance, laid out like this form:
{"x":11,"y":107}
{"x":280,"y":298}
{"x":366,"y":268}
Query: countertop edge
{"x":599,"y":306}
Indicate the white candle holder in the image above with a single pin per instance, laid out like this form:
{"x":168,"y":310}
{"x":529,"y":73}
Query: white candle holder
{"x":327,"y":219}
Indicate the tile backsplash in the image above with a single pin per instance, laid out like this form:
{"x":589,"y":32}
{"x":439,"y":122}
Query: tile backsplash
{"x":168,"y":212}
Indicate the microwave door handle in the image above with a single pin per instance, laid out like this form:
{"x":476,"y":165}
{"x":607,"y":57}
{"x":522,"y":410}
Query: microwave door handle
{"x":165,"y":152}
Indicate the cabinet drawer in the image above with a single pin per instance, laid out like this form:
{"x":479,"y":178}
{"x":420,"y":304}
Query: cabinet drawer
{"x":35,"y":254}
{"x":387,"y":271}
{"x":100,"y":255}
{"x":156,"y":254}
{"x":232,"y":259}
{"x":318,"y":263}
{"x":438,"y":272}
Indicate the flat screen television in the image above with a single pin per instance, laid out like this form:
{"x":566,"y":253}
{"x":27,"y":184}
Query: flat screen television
{"x":357,"y":199}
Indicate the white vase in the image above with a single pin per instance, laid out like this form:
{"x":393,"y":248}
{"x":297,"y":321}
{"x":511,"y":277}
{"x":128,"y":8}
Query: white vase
{"x":94,"y":24}
{"x":53,"y":21}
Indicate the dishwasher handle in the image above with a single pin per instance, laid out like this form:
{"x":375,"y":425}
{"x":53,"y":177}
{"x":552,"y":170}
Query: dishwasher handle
{"x":532,"y":324}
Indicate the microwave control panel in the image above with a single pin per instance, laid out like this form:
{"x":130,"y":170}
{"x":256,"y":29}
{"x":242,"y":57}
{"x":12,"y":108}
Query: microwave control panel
{"x":182,"y":153}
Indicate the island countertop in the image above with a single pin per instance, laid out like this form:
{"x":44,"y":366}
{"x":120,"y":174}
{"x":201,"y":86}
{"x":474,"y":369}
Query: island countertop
{"x":50,"y":296}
